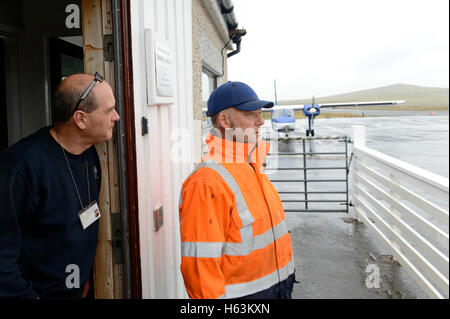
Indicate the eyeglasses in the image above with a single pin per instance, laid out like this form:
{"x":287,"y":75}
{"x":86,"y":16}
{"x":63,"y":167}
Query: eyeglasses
{"x":97,"y":78}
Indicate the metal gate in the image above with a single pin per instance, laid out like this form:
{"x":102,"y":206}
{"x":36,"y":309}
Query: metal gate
{"x":317,"y":169}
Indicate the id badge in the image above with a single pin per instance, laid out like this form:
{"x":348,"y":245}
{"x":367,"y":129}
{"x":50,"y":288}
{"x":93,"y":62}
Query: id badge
{"x":89,"y":215}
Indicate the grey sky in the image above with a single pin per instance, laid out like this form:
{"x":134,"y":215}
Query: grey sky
{"x":327,"y":47}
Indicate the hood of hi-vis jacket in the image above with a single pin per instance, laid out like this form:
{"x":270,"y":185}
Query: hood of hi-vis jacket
{"x":234,"y":240}
{"x":225,"y":151}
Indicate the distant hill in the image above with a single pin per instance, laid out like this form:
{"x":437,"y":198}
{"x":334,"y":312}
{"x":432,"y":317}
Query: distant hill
{"x":416,"y":97}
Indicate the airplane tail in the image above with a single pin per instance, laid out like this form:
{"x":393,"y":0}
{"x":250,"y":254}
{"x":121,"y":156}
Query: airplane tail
{"x":275,"y":89}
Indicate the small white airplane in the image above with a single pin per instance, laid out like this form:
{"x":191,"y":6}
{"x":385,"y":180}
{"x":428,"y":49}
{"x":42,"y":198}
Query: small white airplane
{"x":283,"y":118}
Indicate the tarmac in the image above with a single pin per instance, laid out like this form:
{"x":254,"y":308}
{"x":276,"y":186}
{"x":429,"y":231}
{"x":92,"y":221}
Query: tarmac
{"x":336,"y":257}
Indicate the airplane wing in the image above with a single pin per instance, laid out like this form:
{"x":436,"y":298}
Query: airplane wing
{"x":369,"y":103}
{"x":300,"y":107}
{"x":296,"y":107}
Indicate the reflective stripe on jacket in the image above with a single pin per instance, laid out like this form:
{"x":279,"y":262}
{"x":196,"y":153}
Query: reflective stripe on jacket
{"x":234,"y":238}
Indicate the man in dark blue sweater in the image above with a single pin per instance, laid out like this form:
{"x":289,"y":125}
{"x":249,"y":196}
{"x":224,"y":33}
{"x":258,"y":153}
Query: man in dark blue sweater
{"x":49,"y":187}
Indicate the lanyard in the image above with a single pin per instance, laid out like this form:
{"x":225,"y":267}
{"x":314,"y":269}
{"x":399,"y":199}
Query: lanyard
{"x":73,"y":179}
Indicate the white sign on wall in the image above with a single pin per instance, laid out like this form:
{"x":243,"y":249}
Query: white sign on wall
{"x":160,"y":69}
{"x":164,"y":75}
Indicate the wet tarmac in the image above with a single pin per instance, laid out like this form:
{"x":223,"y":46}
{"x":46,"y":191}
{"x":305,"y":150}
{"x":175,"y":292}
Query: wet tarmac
{"x":419,"y":140}
{"x":335,"y":256}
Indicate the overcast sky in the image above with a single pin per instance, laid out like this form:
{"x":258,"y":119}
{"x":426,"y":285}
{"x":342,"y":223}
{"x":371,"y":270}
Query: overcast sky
{"x":327,"y":47}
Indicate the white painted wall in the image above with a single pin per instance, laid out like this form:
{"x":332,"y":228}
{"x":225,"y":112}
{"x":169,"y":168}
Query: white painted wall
{"x":160,"y":178}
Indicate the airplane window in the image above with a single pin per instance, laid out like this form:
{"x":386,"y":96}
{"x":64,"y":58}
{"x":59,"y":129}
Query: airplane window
{"x":282,"y":113}
{"x":277,"y":113}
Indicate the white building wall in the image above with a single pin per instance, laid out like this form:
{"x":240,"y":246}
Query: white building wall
{"x":159,"y":177}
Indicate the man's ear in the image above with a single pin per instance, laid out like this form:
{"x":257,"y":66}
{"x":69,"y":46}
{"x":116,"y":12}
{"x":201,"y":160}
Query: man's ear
{"x":224,"y":120}
{"x":80,"y":119}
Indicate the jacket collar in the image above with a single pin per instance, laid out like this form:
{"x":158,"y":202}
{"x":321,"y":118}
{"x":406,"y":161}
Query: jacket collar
{"x":225,"y":151}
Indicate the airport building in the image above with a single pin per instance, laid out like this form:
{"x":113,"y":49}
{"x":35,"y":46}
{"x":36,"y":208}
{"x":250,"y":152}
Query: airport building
{"x":162,"y":59}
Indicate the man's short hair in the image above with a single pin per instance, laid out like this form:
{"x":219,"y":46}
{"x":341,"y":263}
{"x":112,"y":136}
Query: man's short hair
{"x":64,"y":101}
{"x":214,"y":119}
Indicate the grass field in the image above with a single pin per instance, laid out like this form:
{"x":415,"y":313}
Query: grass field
{"x":417,"y":98}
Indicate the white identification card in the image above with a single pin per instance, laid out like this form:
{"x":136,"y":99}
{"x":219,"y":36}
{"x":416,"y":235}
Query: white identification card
{"x":89,"y":215}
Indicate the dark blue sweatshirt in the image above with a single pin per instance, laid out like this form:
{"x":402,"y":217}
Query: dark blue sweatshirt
{"x":40,"y":231}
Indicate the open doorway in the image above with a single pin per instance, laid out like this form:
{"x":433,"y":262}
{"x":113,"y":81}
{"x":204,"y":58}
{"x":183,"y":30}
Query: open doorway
{"x":41,"y":43}
{"x":38,"y":49}
{"x":66,"y":58}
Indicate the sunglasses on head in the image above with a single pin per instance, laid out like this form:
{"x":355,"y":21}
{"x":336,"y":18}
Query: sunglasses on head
{"x":97,"y":78}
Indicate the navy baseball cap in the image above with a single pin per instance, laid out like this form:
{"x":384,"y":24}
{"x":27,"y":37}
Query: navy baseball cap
{"x":235,"y":94}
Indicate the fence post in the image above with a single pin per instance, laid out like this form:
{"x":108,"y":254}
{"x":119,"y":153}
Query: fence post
{"x":359,"y":140}
{"x":359,"y":136}
{"x":394,"y":179}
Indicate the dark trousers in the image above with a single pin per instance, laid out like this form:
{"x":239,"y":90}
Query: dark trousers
{"x":282,"y":290}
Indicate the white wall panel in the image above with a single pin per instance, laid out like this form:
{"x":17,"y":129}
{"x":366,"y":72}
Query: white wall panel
{"x":159,"y":178}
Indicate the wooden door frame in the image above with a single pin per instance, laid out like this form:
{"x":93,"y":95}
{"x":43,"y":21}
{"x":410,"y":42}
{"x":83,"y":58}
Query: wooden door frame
{"x":127,"y":146}
{"x":118,"y":194}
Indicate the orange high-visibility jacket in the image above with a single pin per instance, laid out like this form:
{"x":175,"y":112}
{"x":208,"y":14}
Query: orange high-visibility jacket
{"x":234,"y":240}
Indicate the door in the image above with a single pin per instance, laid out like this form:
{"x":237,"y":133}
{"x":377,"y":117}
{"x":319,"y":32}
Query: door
{"x":108,"y":268}
{"x":66,"y":37}
{"x":107,"y":50}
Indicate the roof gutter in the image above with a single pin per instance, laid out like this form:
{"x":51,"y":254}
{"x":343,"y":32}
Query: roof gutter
{"x":227,"y":10}
{"x":215,"y":13}
{"x":224,"y":19}
{"x":235,"y":34}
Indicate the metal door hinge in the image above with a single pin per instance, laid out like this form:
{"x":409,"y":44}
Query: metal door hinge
{"x":116,"y":238}
{"x":108,"y":47}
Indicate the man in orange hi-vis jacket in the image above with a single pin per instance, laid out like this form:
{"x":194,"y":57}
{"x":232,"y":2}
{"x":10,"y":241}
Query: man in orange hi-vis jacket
{"x":234,"y":240}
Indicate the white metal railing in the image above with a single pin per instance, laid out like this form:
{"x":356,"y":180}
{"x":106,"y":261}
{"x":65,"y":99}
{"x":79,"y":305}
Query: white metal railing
{"x":407,"y":208}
